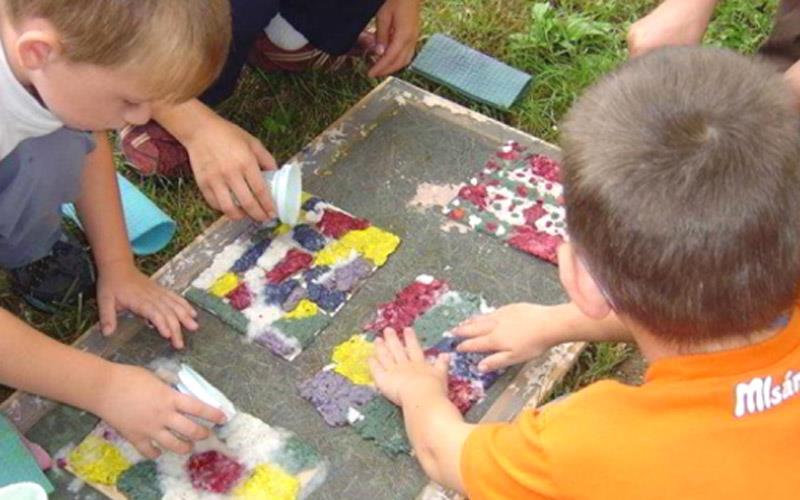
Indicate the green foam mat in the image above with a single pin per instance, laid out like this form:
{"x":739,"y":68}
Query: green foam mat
{"x":17,"y":465}
{"x":470,"y":72}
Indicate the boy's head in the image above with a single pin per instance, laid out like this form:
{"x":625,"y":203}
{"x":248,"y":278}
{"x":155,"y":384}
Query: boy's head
{"x":98,"y":64}
{"x":683,"y":194}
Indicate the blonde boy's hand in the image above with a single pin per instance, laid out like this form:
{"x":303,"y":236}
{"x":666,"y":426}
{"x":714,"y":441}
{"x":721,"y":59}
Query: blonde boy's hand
{"x":152,"y":415}
{"x":123,"y":287}
{"x":401,"y":371}
{"x":397,"y":32}
{"x":513,"y":333}
{"x":674,"y":22}
{"x":227,"y":162}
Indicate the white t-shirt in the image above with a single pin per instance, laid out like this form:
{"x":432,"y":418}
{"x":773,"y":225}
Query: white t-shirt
{"x":21,"y":115}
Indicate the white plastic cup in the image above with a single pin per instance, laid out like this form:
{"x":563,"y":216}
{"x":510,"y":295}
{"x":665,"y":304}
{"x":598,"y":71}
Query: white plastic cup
{"x":23,"y":491}
{"x":286,"y":186}
{"x":192,"y":383}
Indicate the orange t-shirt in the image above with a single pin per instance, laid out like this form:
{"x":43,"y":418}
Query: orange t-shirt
{"x":713,"y":426}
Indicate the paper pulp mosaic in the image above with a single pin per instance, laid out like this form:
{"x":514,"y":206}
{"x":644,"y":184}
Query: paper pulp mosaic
{"x":517,"y":198}
{"x":343,"y":392}
{"x":281,"y":286}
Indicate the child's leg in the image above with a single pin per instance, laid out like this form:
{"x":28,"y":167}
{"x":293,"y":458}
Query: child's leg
{"x":332,"y":27}
{"x":37,"y":177}
{"x":249,"y":19}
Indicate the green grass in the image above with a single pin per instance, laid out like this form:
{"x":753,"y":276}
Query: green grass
{"x":566,"y":44}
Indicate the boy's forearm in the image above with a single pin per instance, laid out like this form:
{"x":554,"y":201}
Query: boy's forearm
{"x":100,"y":208}
{"x":575,"y":326}
{"x":437,"y":432}
{"x":40,"y":365}
{"x":182,"y":120}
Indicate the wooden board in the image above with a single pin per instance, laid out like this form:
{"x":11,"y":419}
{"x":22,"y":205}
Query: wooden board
{"x":372,"y":162}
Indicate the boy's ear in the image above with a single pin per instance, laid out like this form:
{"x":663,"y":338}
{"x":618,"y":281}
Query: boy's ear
{"x":37,"y":47}
{"x":580,"y":285}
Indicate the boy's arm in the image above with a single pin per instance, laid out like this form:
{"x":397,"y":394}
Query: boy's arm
{"x":131,"y":399}
{"x":225,"y":159}
{"x":38,"y":364}
{"x":120,"y":285}
{"x":437,"y":432}
{"x":435,"y":427}
{"x":519,"y":332}
{"x":674,"y":22}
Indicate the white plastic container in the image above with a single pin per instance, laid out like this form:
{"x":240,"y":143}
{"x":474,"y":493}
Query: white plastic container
{"x":23,"y":491}
{"x":192,"y":383}
{"x":286,"y":185}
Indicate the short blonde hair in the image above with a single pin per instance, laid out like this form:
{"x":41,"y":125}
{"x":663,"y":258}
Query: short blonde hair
{"x":181,"y":44}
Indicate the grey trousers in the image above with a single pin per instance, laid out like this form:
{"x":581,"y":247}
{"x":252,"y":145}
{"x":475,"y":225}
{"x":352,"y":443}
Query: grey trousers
{"x":36,"y":178}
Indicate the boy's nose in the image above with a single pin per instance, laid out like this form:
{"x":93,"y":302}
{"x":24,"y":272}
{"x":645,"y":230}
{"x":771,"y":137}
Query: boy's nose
{"x":139,"y":115}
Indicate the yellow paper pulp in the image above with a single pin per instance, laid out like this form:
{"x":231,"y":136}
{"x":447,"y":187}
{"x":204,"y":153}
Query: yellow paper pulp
{"x":224,"y":285}
{"x":351,"y":357}
{"x":305,"y":309}
{"x":97,"y":461}
{"x":373,"y":243}
{"x":269,"y":482}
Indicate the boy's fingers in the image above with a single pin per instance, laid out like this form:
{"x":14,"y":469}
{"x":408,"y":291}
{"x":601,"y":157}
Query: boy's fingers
{"x":183,"y":304}
{"x":394,"y":346}
{"x":246,"y":198}
{"x":375,"y":367}
{"x":195,"y":407}
{"x":265,"y":159}
{"x":442,"y":363}
{"x":208,"y":194}
{"x":477,"y":344}
{"x":383,"y":27}
{"x":384,"y":43}
{"x":261,"y":191}
{"x":188,"y":429}
{"x":225,"y":202}
{"x":162,"y":319}
{"x":496,"y":361}
{"x":413,"y":348}
{"x":171,"y":319}
{"x":388,"y":60}
{"x":382,"y":354}
{"x":148,"y":450}
{"x":170,"y":441}
{"x":478,"y":325}
{"x":185,"y":313}
{"x":108,"y":314}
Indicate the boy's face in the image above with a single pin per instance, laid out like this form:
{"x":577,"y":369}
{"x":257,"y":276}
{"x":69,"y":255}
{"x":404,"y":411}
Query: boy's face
{"x":83,"y":96}
{"x":89,"y":97}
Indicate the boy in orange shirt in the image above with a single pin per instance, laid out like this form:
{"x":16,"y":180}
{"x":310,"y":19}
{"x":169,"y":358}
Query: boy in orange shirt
{"x":681,"y":176}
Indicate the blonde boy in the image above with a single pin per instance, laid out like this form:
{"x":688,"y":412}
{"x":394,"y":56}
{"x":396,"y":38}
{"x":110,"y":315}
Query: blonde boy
{"x":68,"y":69}
{"x":681,"y":176}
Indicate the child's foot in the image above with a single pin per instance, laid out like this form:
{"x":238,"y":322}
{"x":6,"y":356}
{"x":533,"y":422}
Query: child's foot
{"x":268,"y":57}
{"x":150,"y":150}
{"x":57,"y":280}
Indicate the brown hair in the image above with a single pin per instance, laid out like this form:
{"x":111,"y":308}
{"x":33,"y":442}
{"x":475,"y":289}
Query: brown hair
{"x":683,"y":191}
{"x":181,"y":44}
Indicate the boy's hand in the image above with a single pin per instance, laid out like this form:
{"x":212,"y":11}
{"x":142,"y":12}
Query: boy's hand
{"x":227,"y":162}
{"x":397,"y":32}
{"x":152,"y":415}
{"x":674,"y":22}
{"x":514,"y":333}
{"x":121,"y":286}
{"x":402,"y":371}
